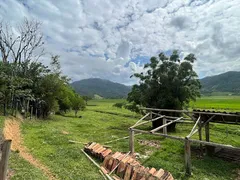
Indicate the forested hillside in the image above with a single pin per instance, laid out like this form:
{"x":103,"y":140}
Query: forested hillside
{"x":226,"y":82}
{"x":101,"y":87}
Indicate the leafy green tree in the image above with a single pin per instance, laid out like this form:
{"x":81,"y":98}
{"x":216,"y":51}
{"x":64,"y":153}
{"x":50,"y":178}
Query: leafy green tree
{"x":168,"y":83}
{"x":86,"y":99}
{"x":64,"y":98}
{"x":26,"y":83}
{"x":77,"y":104}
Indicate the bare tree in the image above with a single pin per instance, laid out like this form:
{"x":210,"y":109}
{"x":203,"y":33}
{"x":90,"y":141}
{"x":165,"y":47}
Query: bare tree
{"x":24,"y":44}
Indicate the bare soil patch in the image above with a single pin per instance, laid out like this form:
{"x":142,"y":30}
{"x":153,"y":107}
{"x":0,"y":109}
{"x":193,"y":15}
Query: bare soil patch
{"x":150,"y":143}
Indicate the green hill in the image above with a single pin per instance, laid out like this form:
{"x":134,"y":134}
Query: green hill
{"x":226,"y":82}
{"x":101,"y":87}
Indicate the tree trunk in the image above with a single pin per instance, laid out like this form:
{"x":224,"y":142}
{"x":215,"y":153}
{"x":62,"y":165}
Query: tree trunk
{"x":4,"y":109}
{"x":76,"y":113}
{"x":171,"y":127}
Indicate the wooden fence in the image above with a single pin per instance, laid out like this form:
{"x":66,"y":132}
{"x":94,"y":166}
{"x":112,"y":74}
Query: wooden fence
{"x":198,"y":124}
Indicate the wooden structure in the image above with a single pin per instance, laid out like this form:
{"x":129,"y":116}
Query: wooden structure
{"x":5,"y":151}
{"x":123,"y":165}
{"x":201,"y":120}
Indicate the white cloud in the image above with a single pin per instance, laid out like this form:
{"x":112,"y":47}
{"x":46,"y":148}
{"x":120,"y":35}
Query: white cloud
{"x":98,"y":38}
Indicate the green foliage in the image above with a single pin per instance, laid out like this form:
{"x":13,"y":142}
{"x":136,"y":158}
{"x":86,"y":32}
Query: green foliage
{"x":77,"y":104}
{"x":26,"y":85}
{"x":119,"y":104}
{"x":130,"y":106}
{"x":31,"y":84}
{"x":168,"y":82}
{"x":87,"y":98}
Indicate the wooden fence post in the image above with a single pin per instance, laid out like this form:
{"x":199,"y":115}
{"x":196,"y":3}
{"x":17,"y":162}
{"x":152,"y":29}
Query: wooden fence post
{"x":150,"y":115}
{"x":207,"y":132}
{"x":200,"y":137}
{"x":187,"y":151}
{"x":165,"y":128}
{"x":209,"y":149}
{"x":131,"y":141}
{"x":4,"y":160}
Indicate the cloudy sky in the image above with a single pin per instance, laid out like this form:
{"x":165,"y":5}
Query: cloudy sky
{"x":111,"y":39}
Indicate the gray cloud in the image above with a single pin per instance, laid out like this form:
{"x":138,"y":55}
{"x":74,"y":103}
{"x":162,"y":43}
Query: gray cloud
{"x":181,"y":22}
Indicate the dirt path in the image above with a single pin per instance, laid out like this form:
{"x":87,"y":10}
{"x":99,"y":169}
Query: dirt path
{"x":12,"y":131}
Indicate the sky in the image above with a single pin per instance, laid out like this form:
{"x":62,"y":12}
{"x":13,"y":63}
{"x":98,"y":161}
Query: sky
{"x":112,"y":39}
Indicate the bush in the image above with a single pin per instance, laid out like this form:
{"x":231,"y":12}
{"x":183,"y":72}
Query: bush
{"x":119,"y":105}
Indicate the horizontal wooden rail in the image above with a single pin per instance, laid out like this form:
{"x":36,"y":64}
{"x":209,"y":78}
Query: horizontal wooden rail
{"x":186,"y":111}
{"x":146,"y":122}
{"x":165,"y":125}
{"x":159,"y":134}
{"x":141,"y":119}
{"x":191,"y":140}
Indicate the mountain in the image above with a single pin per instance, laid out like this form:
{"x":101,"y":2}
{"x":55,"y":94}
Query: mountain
{"x":226,"y":82}
{"x":101,"y":87}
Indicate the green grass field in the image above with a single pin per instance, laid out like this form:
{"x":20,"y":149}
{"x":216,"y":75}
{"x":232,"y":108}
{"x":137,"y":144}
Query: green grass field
{"x":47,"y":142}
{"x":227,"y":103}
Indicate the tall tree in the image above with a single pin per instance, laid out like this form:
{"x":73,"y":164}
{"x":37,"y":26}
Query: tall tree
{"x":24,"y":44}
{"x":77,"y":104}
{"x":87,"y":98}
{"x":168,"y":83}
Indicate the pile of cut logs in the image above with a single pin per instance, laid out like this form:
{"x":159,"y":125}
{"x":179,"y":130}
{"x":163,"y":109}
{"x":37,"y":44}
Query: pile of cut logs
{"x":124,"y":165}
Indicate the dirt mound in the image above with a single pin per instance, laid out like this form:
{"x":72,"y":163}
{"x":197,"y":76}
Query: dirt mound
{"x":12,"y":131}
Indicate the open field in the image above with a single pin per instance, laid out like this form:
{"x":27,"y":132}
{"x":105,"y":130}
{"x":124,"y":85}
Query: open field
{"x":48,"y":141}
{"x":106,"y":105}
{"x":228,"y":103}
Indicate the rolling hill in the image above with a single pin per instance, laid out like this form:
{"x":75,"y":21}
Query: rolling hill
{"x":101,"y":87}
{"x":226,"y":82}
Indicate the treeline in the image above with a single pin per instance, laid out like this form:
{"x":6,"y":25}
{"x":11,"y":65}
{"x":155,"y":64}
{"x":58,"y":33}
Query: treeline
{"x":27,"y":85}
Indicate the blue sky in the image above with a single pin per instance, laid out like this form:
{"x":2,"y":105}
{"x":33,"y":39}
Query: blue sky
{"x":112,"y":39}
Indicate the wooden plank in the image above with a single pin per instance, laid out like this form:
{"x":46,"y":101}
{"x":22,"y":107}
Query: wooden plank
{"x":115,"y":167}
{"x":96,"y":164}
{"x":200,"y":138}
{"x":159,"y":173}
{"x":207,"y":132}
{"x":142,"y":119}
{"x":131,"y":141}
{"x":4,"y":159}
{"x":208,"y":120}
{"x":187,"y":156}
{"x":105,"y":153}
{"x":191,"y":140}
{"x":128,"y":172}
{"x":159,"y":134}
{"x":147,"y":121}
{"x":152,"y":171}
{"x":190,"y":135}
{"x":106,"y":159}
{"x":102,"y":174}
{"x":165,"y":125}
{"x":194,"y":127}
{"x":186,"y":111}
{"x":214,"y":144}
